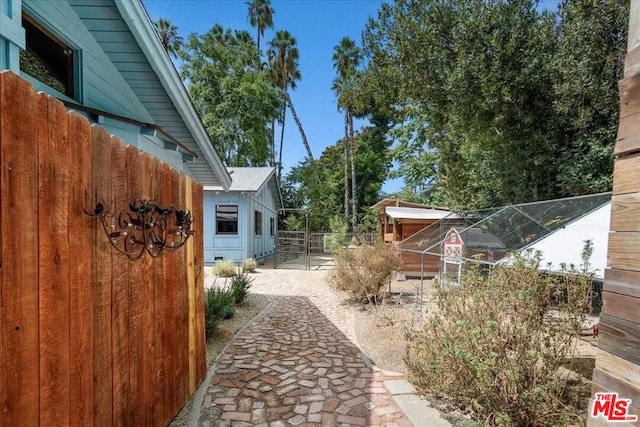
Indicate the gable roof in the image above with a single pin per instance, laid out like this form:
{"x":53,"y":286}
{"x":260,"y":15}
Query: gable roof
{"x":253,"y":179}
{"x":248,"y":179}
{"x":126,"y":34}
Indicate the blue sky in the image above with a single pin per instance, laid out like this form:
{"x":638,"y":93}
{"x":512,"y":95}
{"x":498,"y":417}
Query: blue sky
{"x":318,"y":25}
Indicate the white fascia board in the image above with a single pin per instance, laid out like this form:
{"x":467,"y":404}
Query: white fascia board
{"x":143,"y":31}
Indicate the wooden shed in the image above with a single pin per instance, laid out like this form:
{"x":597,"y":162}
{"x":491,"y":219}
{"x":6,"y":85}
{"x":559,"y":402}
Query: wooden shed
{"x":399,"y":220}
{"x":617,"y":367}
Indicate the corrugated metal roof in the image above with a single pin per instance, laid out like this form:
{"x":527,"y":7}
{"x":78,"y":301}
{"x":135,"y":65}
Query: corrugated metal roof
{"x":417,"y":213}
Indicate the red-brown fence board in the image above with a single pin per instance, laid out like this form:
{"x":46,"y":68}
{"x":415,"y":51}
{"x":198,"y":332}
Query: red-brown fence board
{"x":19,"y":194}
{"x":138,"y":302}
{"x":159,"y":313}
{"x":80,"y":293}
{"x":53,"y":220}
{"x":120,"y":293}
{"x":88,"y":337}
{"x":147,"y":285}
{"x":102,"y":361}
{"x":198,"y":261}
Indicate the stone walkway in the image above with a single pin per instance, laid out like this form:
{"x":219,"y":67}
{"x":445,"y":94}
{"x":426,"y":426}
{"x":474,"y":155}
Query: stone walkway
{"x":293,"y":366}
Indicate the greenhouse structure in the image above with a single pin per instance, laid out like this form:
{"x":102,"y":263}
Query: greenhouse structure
{"x":558,"y":228}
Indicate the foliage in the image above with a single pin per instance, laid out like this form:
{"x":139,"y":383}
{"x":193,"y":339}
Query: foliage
{"x":260,"y":16}
{"x":169,"y":37}
{"x":335,"y":240}
{"x":495,"y":344}
{"x":346,"y":59}
{"x":249,"y":265}
{"x":496,"y":101}
{"x":233,"y":94}
{"x":319,"y":185}
{"x":219,"y":305}
{"x":224,"y":269}
{"x":364,"y":271}
{"x":283,"y":56}
{"x":240,"y":285}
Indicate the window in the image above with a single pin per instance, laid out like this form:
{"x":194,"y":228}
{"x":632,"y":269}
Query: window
{"x":272,"y":226}
{"x":258,"y":223}
{"x":226,"y":219}
{"x":47,"y":58}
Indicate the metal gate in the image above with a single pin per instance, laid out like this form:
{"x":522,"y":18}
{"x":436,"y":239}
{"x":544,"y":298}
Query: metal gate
{"x":319,"y":251}
{"x":291,"y":250}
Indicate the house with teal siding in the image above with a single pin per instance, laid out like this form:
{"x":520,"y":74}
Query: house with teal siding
{"x":242,"y":223}
{"x":104,"y":59}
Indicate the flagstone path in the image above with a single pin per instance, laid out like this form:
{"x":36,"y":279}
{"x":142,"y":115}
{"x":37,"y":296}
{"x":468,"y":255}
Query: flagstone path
{"x":294,"y":366}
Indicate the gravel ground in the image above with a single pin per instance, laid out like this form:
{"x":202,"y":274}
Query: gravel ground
{"x":381,"y":330}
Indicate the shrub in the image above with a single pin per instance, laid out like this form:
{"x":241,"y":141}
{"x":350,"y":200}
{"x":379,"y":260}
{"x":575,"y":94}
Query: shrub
{"x":335,"y":240}
{"x":224,"y":269}
{"x":364,"y":271}
{"x":218,"y":306}
{"x":495,"y":345}
{"x":240,"y":287}
{"x":249,"y":265}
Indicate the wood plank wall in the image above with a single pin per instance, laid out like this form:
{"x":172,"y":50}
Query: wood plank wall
{"x":618,"y":360}
{"x":87,"y":336}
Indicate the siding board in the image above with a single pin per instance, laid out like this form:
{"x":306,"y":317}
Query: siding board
{"x":625,"y":212}
{"x":624,"y":251}
{"x":620,"y":336}
{"x":622,"y":282}
{"x":628,"y":130}
{"x":625,"y":175}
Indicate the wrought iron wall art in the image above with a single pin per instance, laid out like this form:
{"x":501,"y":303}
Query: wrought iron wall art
{"x":145,"y":226}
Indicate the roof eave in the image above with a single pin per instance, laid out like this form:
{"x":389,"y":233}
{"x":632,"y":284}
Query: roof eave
{"x":143,"y":31}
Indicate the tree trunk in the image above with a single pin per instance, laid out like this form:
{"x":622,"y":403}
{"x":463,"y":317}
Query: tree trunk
{"x":346,"y":168}
{"x":352,"y":154}
{"x":273,"y":143}
{"x":297,"y":120}
{"x":284,"y":116}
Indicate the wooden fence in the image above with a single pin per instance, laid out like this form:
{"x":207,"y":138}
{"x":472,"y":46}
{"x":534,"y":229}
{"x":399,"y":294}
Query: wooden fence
{"x":88,"y":336}
{"x":618,"y":359}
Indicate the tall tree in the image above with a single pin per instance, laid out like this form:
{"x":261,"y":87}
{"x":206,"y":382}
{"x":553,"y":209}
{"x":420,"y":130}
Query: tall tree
{"x":283,"y":58}
{"x":346,"y":59}
{"x":232,"y":93}
{"x":169,"y":36}
{"x":260,"y":17}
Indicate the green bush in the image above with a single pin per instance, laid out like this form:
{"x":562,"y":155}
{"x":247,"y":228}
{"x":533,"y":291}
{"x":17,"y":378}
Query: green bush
{"x":495,"y":345}
{"x":219,"y":305}
{"x":364,"y":271}
{"x":224,"y":269}
{"x":249,"y":265}
{"x":240,"y":287}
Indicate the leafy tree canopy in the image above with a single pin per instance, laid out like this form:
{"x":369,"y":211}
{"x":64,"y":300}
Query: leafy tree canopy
{"x":233,"y":94}
{"x":498,"y":101}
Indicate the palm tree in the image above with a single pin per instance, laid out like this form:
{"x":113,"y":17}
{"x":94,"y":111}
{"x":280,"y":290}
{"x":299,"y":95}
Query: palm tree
{"x":346,"y":58}
{"x":169,"y":37}
{"x":283,"y":56}
{"x":260,"y":16}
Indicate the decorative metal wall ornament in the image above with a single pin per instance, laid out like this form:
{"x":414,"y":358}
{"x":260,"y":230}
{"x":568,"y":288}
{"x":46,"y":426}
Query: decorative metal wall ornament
{"x":145,"y":226}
